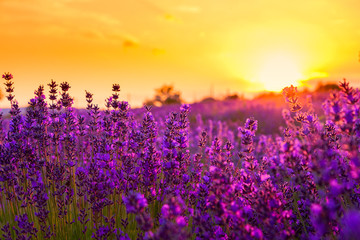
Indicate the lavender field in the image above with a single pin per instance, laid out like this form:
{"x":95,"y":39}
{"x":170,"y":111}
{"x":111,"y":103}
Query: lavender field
{"x":228,"y":170}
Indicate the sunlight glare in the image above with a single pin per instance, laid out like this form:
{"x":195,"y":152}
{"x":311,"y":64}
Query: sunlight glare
{"x":279,"y":71}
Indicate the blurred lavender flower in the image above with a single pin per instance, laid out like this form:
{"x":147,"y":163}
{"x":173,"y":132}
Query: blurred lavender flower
{"x":172,"y":222}
{"x":120,"y":235}
{"x":350,"y":225}
{"x":135,"y":202}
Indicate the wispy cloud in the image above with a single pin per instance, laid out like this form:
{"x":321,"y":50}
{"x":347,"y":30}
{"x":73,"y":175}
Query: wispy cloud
{"x":60,"y":19}
{"x":130,"y":43}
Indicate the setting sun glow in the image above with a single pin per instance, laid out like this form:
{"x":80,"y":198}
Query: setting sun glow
{"x":224,"y":46}
{"x":279,"y":71}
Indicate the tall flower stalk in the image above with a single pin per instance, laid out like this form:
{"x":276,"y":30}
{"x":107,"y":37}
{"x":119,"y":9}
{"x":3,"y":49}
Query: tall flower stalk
{"x":122,"y":173}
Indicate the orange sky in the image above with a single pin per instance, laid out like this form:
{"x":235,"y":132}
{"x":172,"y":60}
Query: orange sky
{"x":228,"y":45}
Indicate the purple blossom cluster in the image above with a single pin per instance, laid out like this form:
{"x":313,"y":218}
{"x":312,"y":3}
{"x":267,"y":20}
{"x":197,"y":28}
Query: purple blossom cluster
{"x":121,"y":174}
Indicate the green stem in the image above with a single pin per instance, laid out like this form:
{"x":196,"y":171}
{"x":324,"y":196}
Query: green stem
{"x":296,"y":207}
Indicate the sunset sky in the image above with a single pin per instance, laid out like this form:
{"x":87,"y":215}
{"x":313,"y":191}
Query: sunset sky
{"x":199,"y":46}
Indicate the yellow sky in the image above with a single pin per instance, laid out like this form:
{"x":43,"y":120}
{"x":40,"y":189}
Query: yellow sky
{"x":196,"y":45}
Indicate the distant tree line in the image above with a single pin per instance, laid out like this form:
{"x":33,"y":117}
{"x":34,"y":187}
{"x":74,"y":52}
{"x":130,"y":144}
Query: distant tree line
{"x":165,"y":95}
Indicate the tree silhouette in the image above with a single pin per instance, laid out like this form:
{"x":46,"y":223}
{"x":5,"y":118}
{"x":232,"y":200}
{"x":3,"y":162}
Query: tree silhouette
{"x":164,"y":96}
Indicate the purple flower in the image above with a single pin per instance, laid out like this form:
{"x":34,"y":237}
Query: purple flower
{"x":7,"y":76}
{"x":25,"y":228}
{"x":251,"y":124}
{"x":135,"y":202}
{"x":120,"y":235}
{"x":6,"y":232}
{"x":351,"y":225}
{"x":185,"y":178}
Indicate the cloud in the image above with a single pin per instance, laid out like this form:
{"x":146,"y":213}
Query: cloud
{"x":70,"y":1}
{"x":60,"y":19}
{"x":90,"y":34}
{"x":130,"y":43}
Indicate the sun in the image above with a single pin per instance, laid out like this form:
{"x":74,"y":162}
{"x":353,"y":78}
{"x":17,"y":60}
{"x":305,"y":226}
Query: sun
{"x":278,"y":71}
